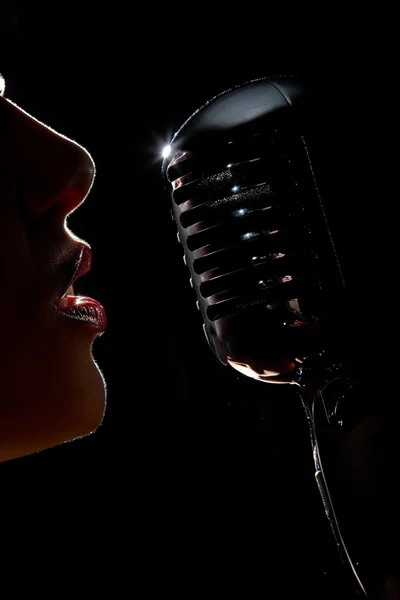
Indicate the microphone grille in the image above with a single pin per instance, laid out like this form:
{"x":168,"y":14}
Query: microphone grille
{"x":255,"y":238}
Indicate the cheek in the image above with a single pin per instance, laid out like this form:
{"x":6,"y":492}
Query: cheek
{"x":16,"y":272}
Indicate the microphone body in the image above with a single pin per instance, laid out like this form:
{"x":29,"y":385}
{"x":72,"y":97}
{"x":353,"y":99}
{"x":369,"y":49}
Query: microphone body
{"x":256,"y":240}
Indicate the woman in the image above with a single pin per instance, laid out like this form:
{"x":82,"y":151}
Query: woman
{"x":51,"y":389}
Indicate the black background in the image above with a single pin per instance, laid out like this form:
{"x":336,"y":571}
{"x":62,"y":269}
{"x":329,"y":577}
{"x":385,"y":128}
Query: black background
{"x":200,"y":482}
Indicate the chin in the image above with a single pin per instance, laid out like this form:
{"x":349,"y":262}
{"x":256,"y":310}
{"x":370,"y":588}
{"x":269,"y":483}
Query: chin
{"x":50,"y":397}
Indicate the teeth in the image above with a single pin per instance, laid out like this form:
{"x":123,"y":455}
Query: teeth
{"x":63,"y":303}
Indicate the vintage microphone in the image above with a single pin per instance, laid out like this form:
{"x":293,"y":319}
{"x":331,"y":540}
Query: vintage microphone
{"x":242,"y":173}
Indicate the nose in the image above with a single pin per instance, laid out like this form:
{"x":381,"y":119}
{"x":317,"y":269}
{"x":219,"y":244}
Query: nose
{"x":49,"y":170}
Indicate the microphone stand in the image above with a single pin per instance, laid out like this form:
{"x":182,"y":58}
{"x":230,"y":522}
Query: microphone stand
{"x":323,"y":384}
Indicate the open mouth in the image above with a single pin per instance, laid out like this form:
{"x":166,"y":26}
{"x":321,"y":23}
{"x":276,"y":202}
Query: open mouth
{"x":82,"y":308}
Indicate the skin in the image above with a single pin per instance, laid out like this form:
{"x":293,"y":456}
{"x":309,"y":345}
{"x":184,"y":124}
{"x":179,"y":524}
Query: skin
{"x":51,"y":390}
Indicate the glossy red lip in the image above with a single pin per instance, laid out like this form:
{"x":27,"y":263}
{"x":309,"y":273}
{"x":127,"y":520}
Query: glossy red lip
{"x":85,"y":309}
{"x":84,"y":264}
{"x":76,"y":263}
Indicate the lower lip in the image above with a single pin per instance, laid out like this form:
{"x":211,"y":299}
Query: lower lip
{"x":86,"y":310}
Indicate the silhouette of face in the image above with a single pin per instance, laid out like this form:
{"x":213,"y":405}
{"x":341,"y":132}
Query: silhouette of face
{"x":51,"y":389}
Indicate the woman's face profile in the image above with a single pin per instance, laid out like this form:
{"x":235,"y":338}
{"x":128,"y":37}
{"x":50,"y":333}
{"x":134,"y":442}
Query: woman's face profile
{"x":51,"y":389}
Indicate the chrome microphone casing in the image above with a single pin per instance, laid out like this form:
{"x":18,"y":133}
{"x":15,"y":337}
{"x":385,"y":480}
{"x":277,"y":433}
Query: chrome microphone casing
{"x":242,"y":175}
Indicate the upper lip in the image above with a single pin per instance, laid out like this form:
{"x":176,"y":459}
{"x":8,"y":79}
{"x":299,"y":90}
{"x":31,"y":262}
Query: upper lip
{"x":74,"y":267}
